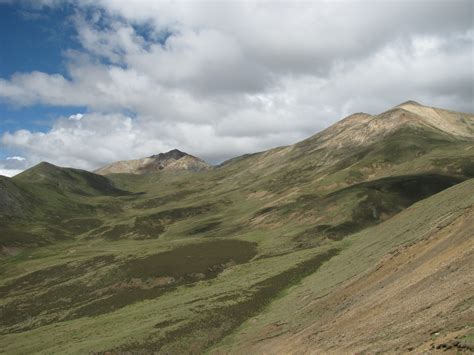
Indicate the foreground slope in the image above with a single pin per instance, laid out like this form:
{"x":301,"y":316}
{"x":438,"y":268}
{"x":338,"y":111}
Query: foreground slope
{"x":231,"y":257}
{"x":404,"y":285}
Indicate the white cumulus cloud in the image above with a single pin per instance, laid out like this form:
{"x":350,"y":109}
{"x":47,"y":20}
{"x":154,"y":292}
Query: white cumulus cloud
{"x":218,"y":79}
{"x":16,"y":158}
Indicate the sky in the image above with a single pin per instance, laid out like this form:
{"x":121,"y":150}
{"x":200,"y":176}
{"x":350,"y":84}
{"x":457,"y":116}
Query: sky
{"x":84,"y":83}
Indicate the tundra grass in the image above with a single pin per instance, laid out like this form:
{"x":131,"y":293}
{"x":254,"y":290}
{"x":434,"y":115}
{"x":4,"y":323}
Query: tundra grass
{"x":359,"y":253}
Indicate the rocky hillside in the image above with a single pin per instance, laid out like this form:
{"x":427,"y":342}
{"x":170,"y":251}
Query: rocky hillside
{"x":406,"y":131}
{"x":174,"y":160}
{"x":362,"y":129}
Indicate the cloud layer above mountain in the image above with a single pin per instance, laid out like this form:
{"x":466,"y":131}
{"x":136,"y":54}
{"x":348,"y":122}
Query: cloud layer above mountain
{"x":219,"y":79}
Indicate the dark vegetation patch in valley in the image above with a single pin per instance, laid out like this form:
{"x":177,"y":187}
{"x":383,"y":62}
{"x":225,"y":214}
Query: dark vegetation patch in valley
{"x":63,"y":290}
{"x":20,"y":234}
{"x":213,"y":325}
{"x":69,"y":295}
{"x":206,"y":258}
{"x":163,"y":200}
{"x":153,"y":225}
{"x":12,"y":237}
{"x":81,"y":225}
{"x":153,"y":275}
{"x":175,"y":214}
{"x":149,"y":227}
{"x":52,"y":275}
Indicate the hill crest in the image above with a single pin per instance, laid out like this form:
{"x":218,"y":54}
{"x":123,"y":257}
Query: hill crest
{"x":362,"y":128}
{"x":174,"y":160}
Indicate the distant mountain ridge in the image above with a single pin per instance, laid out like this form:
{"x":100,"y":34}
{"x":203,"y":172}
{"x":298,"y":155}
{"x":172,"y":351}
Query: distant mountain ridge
{"x":362,"y":128}
{"x":174,"y":160}
{"x":407,"y":130}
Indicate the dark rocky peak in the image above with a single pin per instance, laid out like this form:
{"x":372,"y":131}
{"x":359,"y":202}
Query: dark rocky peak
{"x":174,"y":154}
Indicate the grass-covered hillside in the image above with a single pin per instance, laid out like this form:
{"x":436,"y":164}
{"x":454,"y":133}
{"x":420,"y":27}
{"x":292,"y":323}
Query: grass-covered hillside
{"x":356,"y":239}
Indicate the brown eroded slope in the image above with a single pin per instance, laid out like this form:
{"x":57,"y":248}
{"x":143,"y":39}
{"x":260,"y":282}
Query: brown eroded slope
{"x":415,"y":294}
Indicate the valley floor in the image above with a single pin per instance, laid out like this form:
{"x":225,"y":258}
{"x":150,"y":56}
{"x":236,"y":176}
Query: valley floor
{"x":403,"y":285}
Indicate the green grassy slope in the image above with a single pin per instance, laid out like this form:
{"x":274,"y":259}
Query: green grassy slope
{"x":177,"y":262}
{"x":67,"y":180}
{"x":361,"y":255}
{"x":14,"y":201}
{"x":47,"y":203}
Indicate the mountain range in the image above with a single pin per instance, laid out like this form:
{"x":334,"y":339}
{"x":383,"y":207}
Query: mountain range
{"x":357,"y":239}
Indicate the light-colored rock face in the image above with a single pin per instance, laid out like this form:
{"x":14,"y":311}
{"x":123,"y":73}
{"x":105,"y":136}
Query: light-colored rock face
{"x":455,"y":123}
{"x":173,"y":160}
{"x":361,"y":128}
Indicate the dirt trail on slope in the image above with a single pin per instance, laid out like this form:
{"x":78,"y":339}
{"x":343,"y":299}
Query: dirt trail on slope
{"x":418,"y":298}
